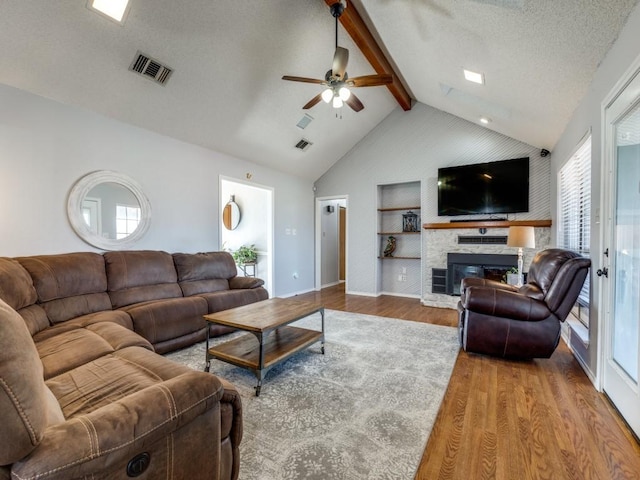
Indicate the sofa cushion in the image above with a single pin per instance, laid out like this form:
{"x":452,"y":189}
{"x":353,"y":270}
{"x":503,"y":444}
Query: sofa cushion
{"x":204,"y":272}
{"x":110,"y":378}
{"x":26,"y":408}
{"x":70,"y":349}
{"x":16,"y":286}
{"x":168,"y":319}
{"x":218,"y":301}
{"x":69,"y":285}
{"x":140,"y":276}
{"x":110,"y":316}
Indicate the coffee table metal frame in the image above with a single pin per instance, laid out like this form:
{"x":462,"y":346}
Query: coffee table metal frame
{"x":277,"y":341}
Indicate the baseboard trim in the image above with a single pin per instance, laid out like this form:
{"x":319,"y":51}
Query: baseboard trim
{"x":362,"y":294}
{"x":293,"y":294}
{"x":404,"y":295}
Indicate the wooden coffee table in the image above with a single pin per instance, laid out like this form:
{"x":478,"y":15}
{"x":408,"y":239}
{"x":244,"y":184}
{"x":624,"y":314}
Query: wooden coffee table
{"x":272,"y":341}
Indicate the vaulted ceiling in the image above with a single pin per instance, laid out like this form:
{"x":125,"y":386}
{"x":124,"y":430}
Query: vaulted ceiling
{"x":228,"y":57}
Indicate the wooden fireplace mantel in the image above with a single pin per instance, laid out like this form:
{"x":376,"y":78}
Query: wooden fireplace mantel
{"x":487,"y":224}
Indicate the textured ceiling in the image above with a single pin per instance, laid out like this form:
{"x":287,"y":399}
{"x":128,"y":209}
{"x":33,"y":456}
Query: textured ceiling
{"x":228,"y":57}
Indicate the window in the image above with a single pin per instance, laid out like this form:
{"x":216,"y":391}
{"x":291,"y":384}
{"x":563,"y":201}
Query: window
{"x":574,"y":216}
{"x":127,"y":220}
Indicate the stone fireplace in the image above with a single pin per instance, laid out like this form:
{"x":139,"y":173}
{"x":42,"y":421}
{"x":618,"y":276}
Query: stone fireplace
{"x":483,"y":265}
{"x":442,"y":239}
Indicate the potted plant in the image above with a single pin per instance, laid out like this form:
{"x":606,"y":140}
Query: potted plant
{"x":511,"y":276}
{"x":244,"y":255}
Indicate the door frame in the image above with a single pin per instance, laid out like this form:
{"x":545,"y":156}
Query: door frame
{"x":269,"y":253}
{"x":318,"y":242}
{"x":605,"y":194}
{"x":627,"y":92}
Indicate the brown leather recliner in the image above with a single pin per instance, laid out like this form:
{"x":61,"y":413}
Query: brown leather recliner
{"x":506,"y":321}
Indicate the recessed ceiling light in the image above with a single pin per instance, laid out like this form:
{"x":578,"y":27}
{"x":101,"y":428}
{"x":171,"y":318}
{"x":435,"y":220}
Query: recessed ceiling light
{"x":474,"y":77}
{"x":114,"y":9}
{"x":485,"y":120}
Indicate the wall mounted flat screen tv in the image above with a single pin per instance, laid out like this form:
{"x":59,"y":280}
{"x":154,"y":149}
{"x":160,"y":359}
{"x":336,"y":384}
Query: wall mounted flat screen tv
{"x":484,"y":188}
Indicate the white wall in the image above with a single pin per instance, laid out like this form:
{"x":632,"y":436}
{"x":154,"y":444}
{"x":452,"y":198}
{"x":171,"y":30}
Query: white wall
{"x":45,"y":147}
{"x":411,"y":146}
{"x":588,"y":116}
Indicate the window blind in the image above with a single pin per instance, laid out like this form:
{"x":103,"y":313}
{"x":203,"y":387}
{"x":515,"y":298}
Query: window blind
{"x":574,"y":225}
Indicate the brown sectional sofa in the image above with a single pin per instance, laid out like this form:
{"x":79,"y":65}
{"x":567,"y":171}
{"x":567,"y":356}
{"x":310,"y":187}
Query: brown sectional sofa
{"x":82,"y":392}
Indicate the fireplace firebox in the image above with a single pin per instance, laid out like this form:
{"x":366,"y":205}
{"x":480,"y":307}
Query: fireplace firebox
{"x":489,"y":265}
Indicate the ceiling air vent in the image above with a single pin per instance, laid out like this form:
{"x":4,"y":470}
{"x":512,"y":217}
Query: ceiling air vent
{"x":150,"y":68}
{"x":304,"y":121}
{"x":303,"y":144}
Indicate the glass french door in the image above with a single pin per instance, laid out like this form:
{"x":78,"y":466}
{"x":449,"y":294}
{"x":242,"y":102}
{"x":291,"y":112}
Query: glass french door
{"x":621,"y":269}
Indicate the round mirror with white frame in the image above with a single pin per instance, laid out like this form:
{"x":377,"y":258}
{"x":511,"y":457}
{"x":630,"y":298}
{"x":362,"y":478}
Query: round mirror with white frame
{"x":108,"y":210}
{"x":231,"y":214}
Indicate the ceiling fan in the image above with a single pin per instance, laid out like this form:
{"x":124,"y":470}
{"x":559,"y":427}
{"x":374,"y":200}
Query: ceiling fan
{"x":337,"y":81}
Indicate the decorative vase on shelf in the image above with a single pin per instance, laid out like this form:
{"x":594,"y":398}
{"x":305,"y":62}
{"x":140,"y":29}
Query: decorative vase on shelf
{"x":409,"y":222}
{"x":391,"y":247}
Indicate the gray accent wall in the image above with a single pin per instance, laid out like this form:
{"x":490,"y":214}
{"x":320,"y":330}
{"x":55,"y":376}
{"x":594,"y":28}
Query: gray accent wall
{"x":408,"y":147}
{"x":46,"y":146}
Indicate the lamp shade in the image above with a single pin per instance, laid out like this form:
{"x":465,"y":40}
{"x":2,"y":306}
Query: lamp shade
{"x":522,"y":237}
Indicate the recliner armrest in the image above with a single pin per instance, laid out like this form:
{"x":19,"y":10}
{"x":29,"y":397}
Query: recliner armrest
{"x":113,"y":434}
{"x":245,"y":282}
{"x":504,"y":303}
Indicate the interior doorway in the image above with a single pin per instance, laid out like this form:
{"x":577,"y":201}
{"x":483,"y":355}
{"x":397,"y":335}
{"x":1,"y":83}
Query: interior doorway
{"x":255,"y":226}
{"x":331,"y":241}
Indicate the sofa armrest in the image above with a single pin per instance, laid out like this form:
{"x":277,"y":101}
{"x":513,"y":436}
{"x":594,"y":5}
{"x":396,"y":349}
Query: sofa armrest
{"x":245,"y":282}
{"x":504,"y":303}
{"x":115,"y":433}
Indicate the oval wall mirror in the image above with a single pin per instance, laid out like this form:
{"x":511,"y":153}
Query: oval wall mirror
{"x":108,"y":210}
{"x":231,"y":214}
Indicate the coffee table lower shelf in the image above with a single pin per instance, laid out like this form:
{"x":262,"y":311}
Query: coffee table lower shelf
{"x":246,"y":351}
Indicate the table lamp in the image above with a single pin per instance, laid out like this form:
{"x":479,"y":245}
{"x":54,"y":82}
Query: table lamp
{"x":521,"y":237}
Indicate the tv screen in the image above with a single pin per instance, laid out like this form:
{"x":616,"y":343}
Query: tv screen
{"x":484,"y":188}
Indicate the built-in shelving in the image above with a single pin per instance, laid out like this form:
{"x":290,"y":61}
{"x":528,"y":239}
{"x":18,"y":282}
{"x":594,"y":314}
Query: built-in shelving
{"x":404,"y":275}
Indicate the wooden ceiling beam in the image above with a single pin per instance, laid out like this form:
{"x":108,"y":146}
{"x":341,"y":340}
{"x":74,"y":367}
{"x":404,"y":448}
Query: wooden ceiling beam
{"x":354,"y":25}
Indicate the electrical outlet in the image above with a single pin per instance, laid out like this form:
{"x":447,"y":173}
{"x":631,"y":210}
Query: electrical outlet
{"x":404,"y":278}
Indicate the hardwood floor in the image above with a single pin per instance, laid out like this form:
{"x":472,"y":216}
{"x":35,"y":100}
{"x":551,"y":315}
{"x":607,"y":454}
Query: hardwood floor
{"x":510,"y":420}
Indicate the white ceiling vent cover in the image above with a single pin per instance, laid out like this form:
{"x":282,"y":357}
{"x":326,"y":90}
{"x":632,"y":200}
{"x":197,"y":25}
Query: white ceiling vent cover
{"x":303,"y":144}
{"x":150,"y":68}
{"x":304,"y":121}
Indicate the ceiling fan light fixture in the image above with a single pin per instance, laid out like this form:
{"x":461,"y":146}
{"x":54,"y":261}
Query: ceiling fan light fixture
{"x":344,"y":93}
{"x":337,"y":102}
{"x":327,"y":95}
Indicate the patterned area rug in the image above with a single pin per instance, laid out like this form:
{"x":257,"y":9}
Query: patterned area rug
{"x":364,"y":410}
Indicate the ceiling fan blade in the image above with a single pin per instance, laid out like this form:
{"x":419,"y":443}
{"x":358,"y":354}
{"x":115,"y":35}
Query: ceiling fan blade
{"x":340,"y":60}
{"x":370,"y":80}
{"x":354,"y":102}
{"x":304,"y":79}
{"x":314,"y":101}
